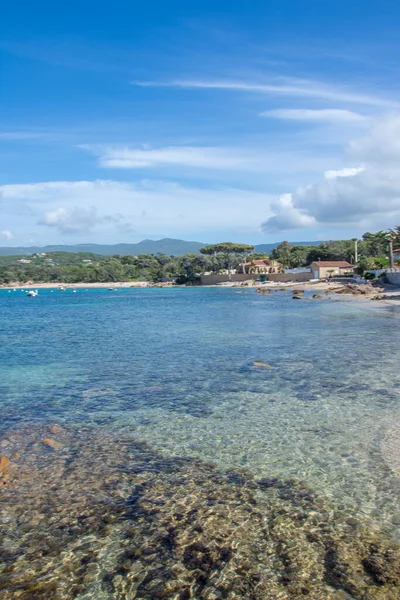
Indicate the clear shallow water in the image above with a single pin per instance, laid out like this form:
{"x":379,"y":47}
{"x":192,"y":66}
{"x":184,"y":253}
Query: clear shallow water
{"x":176,"y":369}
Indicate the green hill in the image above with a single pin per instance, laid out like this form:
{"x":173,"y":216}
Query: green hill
{"x":169,"y":246}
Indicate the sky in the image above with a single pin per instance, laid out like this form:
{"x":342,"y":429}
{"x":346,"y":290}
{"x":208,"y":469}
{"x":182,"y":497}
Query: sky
{"x":210,"y":121}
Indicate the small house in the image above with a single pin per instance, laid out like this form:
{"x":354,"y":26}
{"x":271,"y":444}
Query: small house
{"x":261,"y":267}
{"x":321,"y":269}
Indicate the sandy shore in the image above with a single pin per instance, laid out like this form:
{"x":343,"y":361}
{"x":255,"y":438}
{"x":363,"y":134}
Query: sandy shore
{"x":389,"y":296}
{"x":73,"y":286}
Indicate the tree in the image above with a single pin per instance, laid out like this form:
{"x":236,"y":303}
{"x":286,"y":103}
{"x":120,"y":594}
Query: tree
{"x":396,"y":231}
{"x":299,"y":256}
{"x":282,"y":253}
{"x":374,"y":244}
{"x":229,"y":252}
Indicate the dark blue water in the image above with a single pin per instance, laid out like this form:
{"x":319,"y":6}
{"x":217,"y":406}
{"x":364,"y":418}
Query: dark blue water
{"x":175,"y":368}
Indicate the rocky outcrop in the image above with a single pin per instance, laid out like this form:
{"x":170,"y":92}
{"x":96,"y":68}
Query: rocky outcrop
{"x":107,"y":517}
{"x":358,"y":290}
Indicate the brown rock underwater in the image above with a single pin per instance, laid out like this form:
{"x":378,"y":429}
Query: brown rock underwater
{"x":95,"y":516}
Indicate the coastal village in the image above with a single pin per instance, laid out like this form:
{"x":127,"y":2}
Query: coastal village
{"x":374,"y":259}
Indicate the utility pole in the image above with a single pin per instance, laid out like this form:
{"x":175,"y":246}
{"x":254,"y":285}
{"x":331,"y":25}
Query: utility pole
{"x":355,"y":240}
{"x":391,"y":257}
{"x":391,"y":236}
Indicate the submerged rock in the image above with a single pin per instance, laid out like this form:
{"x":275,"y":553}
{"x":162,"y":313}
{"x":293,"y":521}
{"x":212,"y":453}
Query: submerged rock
{"x":57,"y":430}
{"x":110,"y":518}
{"x":51,"y":443}
{"x":4,"y":465}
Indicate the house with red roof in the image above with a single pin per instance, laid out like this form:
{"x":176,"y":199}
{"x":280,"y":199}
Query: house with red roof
{"x":321,"y":269}
{"x":261,"y":267}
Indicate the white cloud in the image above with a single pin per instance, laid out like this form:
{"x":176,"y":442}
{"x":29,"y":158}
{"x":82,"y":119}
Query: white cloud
{"x":5,"y":234}
{"x":156,"y":207}
{"x":286,"y":216}
{"x":282,"y":86}
{"x":381,"y":145}
{"x":346,"y":172}
{"x":366,"y":196}
{"x":189,"y":156}
{"x":70,"y":220}
{"x":333,"y":115}
{"x":223,"y":162}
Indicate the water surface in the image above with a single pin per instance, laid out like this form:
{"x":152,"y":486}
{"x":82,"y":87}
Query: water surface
{"x":175,"y":369}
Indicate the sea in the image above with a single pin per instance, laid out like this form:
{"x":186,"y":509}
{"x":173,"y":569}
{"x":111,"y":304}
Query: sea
{"x":198,"y":443}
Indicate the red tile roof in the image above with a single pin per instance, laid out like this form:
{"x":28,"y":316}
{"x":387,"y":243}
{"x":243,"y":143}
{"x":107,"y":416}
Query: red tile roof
{"x":342,"y":264}
{"x":260,"y":262}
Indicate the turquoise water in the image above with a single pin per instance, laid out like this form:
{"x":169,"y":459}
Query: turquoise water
{"x":174,"y":368}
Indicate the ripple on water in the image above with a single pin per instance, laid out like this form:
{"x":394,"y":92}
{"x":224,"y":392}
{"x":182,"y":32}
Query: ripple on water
{"x":86,"y":514}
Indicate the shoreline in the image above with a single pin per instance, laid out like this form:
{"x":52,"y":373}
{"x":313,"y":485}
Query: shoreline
{"x":390,"y":296}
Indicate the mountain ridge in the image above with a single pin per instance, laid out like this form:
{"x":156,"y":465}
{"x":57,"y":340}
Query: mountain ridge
{"x":169,"y":246}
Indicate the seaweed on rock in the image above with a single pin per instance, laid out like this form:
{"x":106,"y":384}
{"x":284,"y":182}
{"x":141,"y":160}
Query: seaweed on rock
{"x":96,"y":516}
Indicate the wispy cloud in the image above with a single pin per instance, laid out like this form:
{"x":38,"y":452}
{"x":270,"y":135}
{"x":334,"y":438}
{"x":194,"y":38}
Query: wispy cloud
{"x":5,"y":234}
{"x":282,"y":86}
{"x":20,"y":135}
{"x":70,"y":220}
{"x":189,"y":156}
{"x":157,"y":206}
{"x":333,"y":115}
{"x":222,"y":161}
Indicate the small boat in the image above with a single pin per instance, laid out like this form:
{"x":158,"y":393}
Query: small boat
{"x":32,"y":293}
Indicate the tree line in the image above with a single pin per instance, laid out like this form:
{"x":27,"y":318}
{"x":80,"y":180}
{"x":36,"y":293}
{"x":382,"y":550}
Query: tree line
{"x":68,"y":267}
{"x":372,"y":251}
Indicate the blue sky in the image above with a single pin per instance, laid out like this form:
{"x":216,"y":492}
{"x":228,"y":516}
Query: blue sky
{"x":250,"y":121}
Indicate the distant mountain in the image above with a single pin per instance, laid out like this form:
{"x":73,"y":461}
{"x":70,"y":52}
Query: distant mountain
{"x":168,"y":246}
{"x":267,"y":248}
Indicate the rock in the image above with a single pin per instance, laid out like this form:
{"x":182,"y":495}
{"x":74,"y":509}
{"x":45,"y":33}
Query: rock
{"x":297,"y":292}
{"x":262,"y":365}
{"x":175,"y":528}
{"x":56,"y":429}
{"x":4,"y":464}
{"x":317,"y":296}
{"x":51,"y":443}
{"x":383,"y":564}
{"x":4,"y":443}
{"x":297,"y":297}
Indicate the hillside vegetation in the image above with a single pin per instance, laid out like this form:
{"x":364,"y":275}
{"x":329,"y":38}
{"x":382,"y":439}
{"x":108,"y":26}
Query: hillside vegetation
{"x":87,"y":267}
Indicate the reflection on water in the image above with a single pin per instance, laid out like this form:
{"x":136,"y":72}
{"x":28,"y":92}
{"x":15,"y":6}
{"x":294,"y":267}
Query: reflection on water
{"x":152,"y":385}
